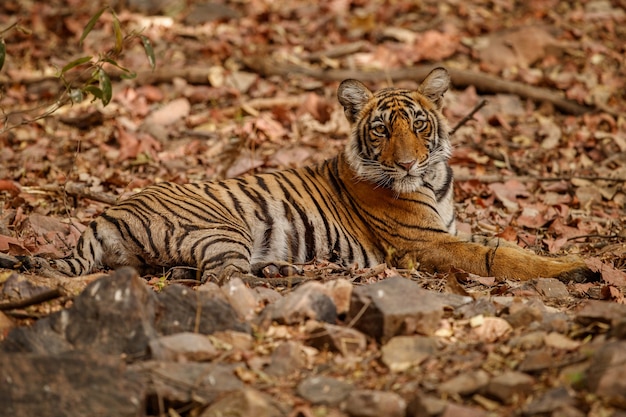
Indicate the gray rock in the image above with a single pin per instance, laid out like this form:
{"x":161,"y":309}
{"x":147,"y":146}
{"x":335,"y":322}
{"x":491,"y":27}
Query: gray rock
{"x":206,"y":312}
{"x":183,"y":347}
{"x":288,"y":358}
{"x":241,"y":298}
{"x":549,"y":401}
{"x":185,"y":382}
{"x":323,"y":390}
{"x":308,"y":301}
{"x":536,"y":360}
{"x":403,"y":352}
{"x":604,"y":312}
{"x":528,"y":341}
{"x":113,"y":315}
{"x":72,"y":384}
{"x":551,"y":288}
{"x":426,"y":406}
{"x":455,"y":410}
{"x":340,"y":290}
{"x":247,"y":402}
{"x":398,"y":306}
{"x":369,"y":403}
{"x":510,"y":387}
{"x":605,"y":375}
{"x":466,"y":383}
{"x":335,"y":338}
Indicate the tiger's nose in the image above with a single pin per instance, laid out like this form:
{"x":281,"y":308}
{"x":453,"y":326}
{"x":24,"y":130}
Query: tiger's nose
{"x":406,"y":165}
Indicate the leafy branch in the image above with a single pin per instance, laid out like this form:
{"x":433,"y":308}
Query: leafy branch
{"x":94,"y":79}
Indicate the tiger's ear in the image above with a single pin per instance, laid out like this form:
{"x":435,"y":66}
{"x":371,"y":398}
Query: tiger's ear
{"x":353,"y":95}
{"x":435,"y":85}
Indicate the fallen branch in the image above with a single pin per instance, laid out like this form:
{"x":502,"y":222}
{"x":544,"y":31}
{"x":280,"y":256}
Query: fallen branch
{"x":469,"y":116}
{"x":35,"y":299}
{"x":76,"y":190}
{"x":527,"y":178}
{"x":460,"y":78}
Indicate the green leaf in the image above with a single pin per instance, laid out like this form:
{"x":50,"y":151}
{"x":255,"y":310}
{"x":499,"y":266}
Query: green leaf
{"x":119,"y":36}
{"x":113,"y":62}
{"x":105,"y":86}
{"x":3,"y":53}
{"x":147,"y":46}
{"x":94,"y":91}
{"x":91,"y":24}
{"x":75,"y":63}
{"x":129,"y":76}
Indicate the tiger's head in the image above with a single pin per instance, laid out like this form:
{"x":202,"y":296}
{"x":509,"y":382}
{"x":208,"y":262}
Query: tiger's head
{"x":398,"y":136}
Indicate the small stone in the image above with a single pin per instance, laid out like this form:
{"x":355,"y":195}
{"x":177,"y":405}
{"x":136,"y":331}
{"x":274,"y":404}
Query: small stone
{"x":605,"y":375}
{"x":492,"y":329}
{"x":247,"y":402}
{"x":570,"y":411}
{"x":549,"y":401}
{"x":335,"y":338}
{"x":528,"y":341}
{"x":559,"y":341}
{"x":381,"y":309}
{"x":241,"y":298}
{"x":340,"y":290}
{"x":601,"y":311}
{"x":286,"y":359}
{"x":523,"y":314}
{"x":403,"y":352}
{"x":510,"y":387}
{"x":369,"y":403}
{"x":482,"y":306}
{"x":308,"y":301}
{"x":465,"y":384}
{"x":183,"y":346}
{"x":324,"y":390}
{"x":551,"y":288}
{"x":426,"y":406}
{"x":230,"y":339}
{"x":536,"y":360}
{"x":455,"y":410}
{"x":265,"y":296}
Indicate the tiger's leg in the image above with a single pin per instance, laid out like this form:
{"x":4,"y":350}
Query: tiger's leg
{"x":445,"y":251}
{"x":275,"y":269}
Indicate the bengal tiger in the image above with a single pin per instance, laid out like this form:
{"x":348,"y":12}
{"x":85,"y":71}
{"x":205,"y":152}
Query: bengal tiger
{"x":388,"y":197}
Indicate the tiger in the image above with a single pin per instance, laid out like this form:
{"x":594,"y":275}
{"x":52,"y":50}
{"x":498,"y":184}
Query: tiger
{"x":386,"y":198}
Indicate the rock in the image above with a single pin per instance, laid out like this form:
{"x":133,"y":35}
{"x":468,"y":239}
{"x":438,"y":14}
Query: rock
{"x":206,"y":12}
{"x":113,"y":315}
{"x":340,"y":290}
{"x":523,"y":314}
{"x":265,"y":295}
{"x":184,"y":382}
{"x":490,"y":329}
{"x":549,"y":401}
{"x":604,"y":312}
{"x":369,"y":403}
{"x":9,"y":262}
{"x":308,"y":301}
{"x":510,"y":387}
{"x":323,"y":390}
{"x":559,"y":341}
{"x":241,"y":298}
{"x":571,"y":411}
{"x":605,"y":375}
{"x":69,"y":384}
{"x":6,"y":324}
{"x":247,"y":402}
{"x":403,"y":352}
{"x":454,"y":410}
{"x":381,"y":310}
{"x":183,"y":347}
{"x":232,"y":340}
{"x":536,"y":360}
{"x":206,"y":312}
{"x":335,"y":338}
{"x":170,"y":113}
{"x":286,"y":359}
{"x":551,"y":288}
{"x":466,"y":383}
{"x":19,"y":287}
{"x":528,"y":341}
{"x":426,"y":406}
{"x":481,"y":306}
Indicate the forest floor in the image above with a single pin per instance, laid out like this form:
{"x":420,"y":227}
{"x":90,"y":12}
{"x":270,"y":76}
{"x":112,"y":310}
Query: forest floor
{"x":250,"y":86}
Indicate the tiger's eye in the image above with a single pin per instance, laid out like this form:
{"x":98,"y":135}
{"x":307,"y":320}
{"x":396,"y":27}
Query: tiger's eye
{"x":419,"y":125}
{"x":380,"y":130}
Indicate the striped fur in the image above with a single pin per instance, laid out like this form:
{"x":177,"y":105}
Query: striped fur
{"x":387,"y":198}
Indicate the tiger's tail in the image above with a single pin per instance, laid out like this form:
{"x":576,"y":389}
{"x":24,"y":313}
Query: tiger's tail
{"x":85,"y":258}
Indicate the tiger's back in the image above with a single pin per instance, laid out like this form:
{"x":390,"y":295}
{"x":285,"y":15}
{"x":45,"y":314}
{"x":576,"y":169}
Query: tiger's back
{"x":387,"y":198}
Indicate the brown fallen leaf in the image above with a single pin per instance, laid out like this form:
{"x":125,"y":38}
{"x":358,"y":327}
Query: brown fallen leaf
{"x":610,"y":275}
